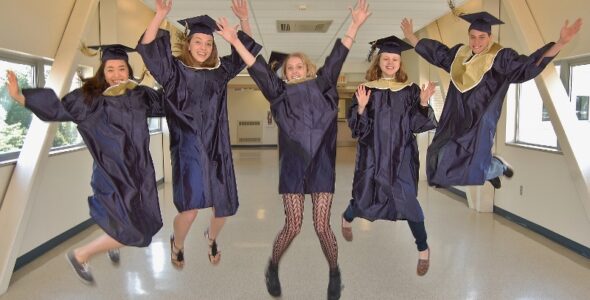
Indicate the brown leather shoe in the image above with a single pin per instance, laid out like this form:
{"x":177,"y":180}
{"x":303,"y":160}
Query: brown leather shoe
{"x":346,"y":231}
{"x":423,"y":265}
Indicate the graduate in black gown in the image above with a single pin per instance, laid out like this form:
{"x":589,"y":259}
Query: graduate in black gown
{"x":481,"y":72}
{"x":305,"y":108}
{"x":111,"y":112}
{"x":386,"y":113}
{"x":195,"y":85}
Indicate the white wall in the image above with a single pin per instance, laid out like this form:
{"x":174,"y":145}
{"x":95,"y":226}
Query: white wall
{"x":249,"y":105}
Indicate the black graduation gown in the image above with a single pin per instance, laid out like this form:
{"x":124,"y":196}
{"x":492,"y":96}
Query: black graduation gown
{"x":467,"y":125}
{"x":387,"y":164}
{"x":196,"y":111}
{"x":115,"y":130}
{"x":306,"y":115}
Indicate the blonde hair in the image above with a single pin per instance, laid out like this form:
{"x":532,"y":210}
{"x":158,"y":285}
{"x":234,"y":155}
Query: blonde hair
{"x":185,"y":56}
{"x":311,"y":67}
{"x":374,"y":71}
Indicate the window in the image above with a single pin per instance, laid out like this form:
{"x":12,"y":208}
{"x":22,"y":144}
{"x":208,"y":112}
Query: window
{"x":528,"y":121}
{"x":67,"y":134}
{"x":580,"y":89}
{"x":14,"y":119}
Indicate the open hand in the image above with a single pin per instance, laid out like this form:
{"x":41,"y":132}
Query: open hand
{"x":13,"y":88}
{"x":360,"y":13}
{"x":426,"y":92}
{"x":362,"y":96}
{"x":567,"y":33}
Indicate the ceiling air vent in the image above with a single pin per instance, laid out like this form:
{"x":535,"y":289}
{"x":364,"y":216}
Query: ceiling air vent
{"x":303,"y":26}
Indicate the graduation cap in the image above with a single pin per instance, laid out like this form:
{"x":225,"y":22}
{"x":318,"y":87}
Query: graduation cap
{"x":481,"y":21}
{"x":390,"y":44}
{"x":113,"y":51}
{"x":201,"y":24}
{"x":276,"y":59}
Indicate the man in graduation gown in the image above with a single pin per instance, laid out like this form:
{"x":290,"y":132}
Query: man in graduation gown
{"x":481,"y":72}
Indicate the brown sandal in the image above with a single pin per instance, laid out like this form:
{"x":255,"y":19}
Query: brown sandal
{"x":176,"y":257}
{"x":214,"y":254}
{"x":423,"y":265}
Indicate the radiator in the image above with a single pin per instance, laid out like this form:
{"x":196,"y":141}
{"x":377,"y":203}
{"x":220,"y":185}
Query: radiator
{"x":249,"y":132}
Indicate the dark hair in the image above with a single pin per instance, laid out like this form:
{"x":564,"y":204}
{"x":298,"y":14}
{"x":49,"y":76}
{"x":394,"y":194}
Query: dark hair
{"x":95,"y":85}
{"x":374,"y":71}
{"x":185,"y":56}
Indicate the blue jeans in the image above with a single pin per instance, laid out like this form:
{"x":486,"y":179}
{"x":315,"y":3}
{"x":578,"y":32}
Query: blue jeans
{"x":496,"y":169}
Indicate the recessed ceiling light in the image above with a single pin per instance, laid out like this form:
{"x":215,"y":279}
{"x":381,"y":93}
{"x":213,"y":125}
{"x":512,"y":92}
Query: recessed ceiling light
{"x":302,"y":7}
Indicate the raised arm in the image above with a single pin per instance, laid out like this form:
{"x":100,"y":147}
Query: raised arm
{"x":162,"y":9}
{"x":359,"y":15}
{"x":359,"y":119}
{"x":240,"y":9}
{"x":45,"y":104}
{"x":13,"y":88}
{"x":230,"y":34}
{"x":422,"y":115}
{"x":566,"y":34}
{"x":407,"y":27}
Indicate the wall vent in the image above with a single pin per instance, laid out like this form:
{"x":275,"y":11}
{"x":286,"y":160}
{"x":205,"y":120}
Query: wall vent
{"x":249,"y":132}
{"x":317,"y":26}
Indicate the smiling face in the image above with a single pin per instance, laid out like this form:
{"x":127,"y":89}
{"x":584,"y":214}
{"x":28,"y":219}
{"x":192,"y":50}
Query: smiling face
{"x":295,"y":68}
{"x":479,"y":40}
{"x":200,"y":47}
{"x":389,"y":63}
{"x":116,"y":71}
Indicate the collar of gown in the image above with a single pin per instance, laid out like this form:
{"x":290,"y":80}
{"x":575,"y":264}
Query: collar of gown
{"x":468,"y":69}
{"x":387,"y":84}
{"x":217,"y":65}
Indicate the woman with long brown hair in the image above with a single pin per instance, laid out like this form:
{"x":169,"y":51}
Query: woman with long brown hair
{"x":386,"y":113}
{"x":111,"y":111}
{"x":195,"y":85}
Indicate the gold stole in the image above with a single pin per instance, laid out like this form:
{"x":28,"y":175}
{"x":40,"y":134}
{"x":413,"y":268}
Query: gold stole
{"x":120,"y":89}
{"x":468,"y":74}
{"x":384,"y":84}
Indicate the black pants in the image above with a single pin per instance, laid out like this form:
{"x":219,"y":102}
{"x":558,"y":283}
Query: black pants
{"x":417,"y":228}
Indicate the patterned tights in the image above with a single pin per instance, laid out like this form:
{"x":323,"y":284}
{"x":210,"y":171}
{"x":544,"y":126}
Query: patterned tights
{"x":322,"y":202}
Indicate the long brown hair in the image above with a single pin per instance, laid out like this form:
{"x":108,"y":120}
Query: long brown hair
{"x":95,"y":85}
{"x":311,"y":67}
{"x":374,"y":71}
{"x":185,"y":56}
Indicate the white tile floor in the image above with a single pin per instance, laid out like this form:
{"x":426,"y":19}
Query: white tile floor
{"x":474,"y":255}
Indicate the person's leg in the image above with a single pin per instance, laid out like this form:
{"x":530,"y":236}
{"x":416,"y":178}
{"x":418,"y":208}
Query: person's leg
{"x":322,"y":203}
{"x":182,"y":224}
{"x":215,"y":226}
{"x":99,"y":245}
{"x":293,"y":204}
{"x":346,"y":222}
{"x":78,"y":258}
{"x":494,"y":171}
{"x":419,"y":233}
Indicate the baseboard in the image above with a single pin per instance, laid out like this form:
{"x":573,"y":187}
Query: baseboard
{"x":52,"y":243}
{"x":555,"y":237}
{"x":263,"y":146}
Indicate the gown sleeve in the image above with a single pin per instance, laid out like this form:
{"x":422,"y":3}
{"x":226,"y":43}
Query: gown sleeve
{"x":154,"y":100}
{"x":361,"y":125}
{"x":233,"y":63}
{"x":45,"y":104}
{"x":271,"y":86}
{"x":334,"y":62}
{"x":421,"y":118}
{"x":158,"y":58}
{"x":521,"y":68}
{"x":436,"y":53}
